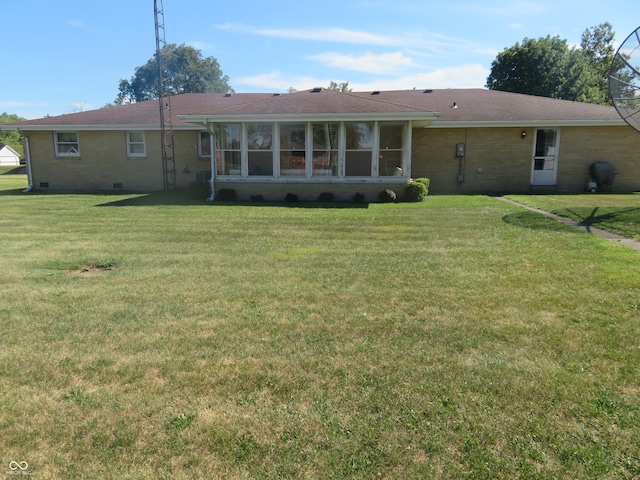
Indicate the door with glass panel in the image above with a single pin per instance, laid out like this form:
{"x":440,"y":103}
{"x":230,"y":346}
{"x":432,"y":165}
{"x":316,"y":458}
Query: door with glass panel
{"x":545,"y":157}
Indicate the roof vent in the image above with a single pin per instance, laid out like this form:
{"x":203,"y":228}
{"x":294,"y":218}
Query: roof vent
{"x":316,"y":90}
{"x":228,"y":94}
{"x":428,"y":91}
{"x":377,"y":92}
{"x":276,"y":94}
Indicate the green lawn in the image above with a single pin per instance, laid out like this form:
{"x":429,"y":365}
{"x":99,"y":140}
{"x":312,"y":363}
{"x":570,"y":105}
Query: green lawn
{"x":149,"y":336}
{"x":615,"y":213}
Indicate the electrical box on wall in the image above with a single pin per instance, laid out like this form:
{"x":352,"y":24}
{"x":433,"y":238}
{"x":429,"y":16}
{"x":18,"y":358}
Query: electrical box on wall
{"x":460,"y":150}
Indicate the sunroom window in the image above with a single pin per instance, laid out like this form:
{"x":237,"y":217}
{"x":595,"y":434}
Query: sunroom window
{"x":391,"y":150}
{"x":359,"y":151}
{"x":260,"y":149}
{"x":228,"y":149}
{"x":325,"y":149}
{"x":67,"y":144}
{"x":292,"y":150}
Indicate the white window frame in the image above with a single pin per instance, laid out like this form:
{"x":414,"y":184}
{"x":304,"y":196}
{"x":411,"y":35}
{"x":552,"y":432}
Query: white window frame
{"x":130,"y":143}
{"x":201,"y":153}
{"x":58,"y":144}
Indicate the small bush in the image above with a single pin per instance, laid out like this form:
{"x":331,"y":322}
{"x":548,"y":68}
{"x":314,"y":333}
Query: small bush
{"x":387,"y":196}
{"x":326,"y":197}
{"x":424,"y":181}
{"x":257,"y":198}
{"x":415,"y":191}
{"x":291,"y":198}
{"x":358,"y":198}
{"x":199,"y":190}
{"x":226,"y":195}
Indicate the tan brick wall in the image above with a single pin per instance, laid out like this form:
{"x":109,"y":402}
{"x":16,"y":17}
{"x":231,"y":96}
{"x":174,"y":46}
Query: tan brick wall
{"x":497,"y":160}
{"x":505,"y":158}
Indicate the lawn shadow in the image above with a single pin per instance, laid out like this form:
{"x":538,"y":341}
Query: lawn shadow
{"x":536,"y":221}
{"x":593,"y":219}
{"x":178,"y":198}
{"x":21,"y":170}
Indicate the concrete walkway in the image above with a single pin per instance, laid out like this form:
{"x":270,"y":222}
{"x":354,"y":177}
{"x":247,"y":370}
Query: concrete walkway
{"x":627,"y":242}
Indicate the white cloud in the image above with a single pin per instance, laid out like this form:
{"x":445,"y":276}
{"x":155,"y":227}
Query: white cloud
{"x":77,"y":24}
{"x":383,"y":64}
{"x":338,"y":35}
{"x":463,"y":76}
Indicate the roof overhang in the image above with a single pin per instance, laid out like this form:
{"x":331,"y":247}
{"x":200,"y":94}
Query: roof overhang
{"x":421,"y":119}
{"x":531,"y":124}
{"x":93,"y":128}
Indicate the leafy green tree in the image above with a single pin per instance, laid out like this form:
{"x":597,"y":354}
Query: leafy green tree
{"x":340,"y":87}
{"x":11,"y":138}
{"x":535,"y":67}
{"x":548,"y":67}
{"x":188,"y":72}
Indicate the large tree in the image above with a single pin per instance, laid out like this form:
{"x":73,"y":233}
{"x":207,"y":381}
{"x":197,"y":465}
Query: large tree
{"x":11,"y":138}
{"x":188,"y":72}
{"x":548,"y":67}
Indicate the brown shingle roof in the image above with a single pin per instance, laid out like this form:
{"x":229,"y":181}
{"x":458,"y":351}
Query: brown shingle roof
{"x":473,"y":106}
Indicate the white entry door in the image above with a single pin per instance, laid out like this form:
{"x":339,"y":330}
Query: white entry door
{"x":545,"y":157}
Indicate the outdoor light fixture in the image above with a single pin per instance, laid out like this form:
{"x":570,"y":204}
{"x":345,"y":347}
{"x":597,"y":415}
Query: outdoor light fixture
{"x":523,"y":134}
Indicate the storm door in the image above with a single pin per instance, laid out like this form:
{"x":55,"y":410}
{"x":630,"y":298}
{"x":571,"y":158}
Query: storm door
{"x":545,"y":157}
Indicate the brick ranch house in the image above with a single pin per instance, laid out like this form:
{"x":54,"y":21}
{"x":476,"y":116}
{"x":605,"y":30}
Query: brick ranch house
{"x":467,"y":141}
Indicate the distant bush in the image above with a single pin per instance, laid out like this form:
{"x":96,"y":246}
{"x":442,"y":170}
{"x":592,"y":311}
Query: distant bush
{"x":358,"y":198}
{"x":387,"y":196}
{"x":291,"y":198}
{"x":257,"y":198}
{"x":226,"y":195}
{"x":415,"y":191}
{"x":326,"y":197}
{"x":199,"y":190}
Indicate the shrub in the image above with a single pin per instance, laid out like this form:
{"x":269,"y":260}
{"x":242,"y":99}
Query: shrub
{"x":415,"y":191}
{"x":326,"y":197}
{"x":291,"y":198}
{"x":257,"y":198}
{"x":199,"y":190}
{"x":387,"y":196}
{"x":358,"y":197}
{"x":226,"y":195}
{"x":423,"y":180}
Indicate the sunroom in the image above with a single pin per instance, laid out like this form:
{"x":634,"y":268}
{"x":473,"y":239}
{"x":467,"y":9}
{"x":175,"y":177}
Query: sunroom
{"x":317,"y":136}
{"x":330,"y":150}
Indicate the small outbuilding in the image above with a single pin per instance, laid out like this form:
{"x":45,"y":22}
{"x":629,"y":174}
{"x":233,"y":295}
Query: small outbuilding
{"x":8,"y":156}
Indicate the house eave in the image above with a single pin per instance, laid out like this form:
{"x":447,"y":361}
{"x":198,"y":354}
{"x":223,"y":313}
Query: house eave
{"x":424,"y":118}
{"x":529,"y":123}
{"x":104,"y":128}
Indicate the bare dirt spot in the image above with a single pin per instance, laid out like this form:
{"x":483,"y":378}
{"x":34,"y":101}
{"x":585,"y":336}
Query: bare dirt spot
{"x":93,"y":269}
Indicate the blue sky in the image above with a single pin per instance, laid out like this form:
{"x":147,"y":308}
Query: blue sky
{"x":69,"y":55}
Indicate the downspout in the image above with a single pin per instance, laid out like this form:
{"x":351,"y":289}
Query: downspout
{"x":212,"y":181}
{"x":27,"y":154}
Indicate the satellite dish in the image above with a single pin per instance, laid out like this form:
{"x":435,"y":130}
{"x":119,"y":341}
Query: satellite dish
{"x":624,"y":80}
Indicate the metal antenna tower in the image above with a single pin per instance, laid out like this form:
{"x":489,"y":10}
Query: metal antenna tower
{"x":164,"y":100}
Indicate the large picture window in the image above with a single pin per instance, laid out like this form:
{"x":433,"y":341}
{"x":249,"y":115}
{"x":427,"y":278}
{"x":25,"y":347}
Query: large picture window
{"x":391,"y":150}
{"x":67,"y":144}
{"x":292,"y":150}
{"x":228,"y":149}
{"x":260,"y":149}
{"x":359,"y":149}
{"x":326,"y":158}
